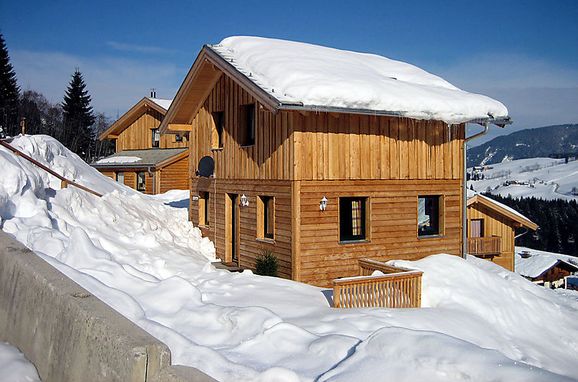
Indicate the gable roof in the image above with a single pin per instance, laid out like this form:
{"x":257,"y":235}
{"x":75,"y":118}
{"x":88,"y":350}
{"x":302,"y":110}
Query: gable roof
{"x":157,"y":158}
{"x":158,"y":104}
{"x":502,"y":209}
{"x":286,"y":75}
{"x":539,"y":262}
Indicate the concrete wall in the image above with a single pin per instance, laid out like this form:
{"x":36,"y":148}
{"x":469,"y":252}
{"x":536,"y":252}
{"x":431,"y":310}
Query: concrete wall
{"x":70,"y":335}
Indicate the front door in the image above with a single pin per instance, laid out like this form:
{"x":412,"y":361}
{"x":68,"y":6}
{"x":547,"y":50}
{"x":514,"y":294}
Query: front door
{"x":232,"y":228}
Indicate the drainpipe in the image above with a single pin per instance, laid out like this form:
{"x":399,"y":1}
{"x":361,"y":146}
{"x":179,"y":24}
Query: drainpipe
{"x":465,"y":192}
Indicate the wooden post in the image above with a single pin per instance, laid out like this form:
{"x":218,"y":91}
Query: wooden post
{"x":63,"y":184}
{"x":23,"y":125}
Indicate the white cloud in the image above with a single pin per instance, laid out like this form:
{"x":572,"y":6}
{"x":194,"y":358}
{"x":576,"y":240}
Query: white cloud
{"x":115,"y":84}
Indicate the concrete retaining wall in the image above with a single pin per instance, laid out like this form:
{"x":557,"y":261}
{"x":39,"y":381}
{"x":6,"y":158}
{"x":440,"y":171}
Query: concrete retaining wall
{"x":70,"y":335}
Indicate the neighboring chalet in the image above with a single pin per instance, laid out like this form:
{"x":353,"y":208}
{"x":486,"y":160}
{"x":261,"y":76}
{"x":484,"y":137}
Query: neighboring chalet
{"x":545,"y":268}
{"x":323,"y":156}
{"x":492,"y":228}
{"x":144,"y":159}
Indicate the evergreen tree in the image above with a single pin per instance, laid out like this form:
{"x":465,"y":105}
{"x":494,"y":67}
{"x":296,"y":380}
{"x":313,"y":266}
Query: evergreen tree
{"x":78,"y":117}
{"x":8,"y":92}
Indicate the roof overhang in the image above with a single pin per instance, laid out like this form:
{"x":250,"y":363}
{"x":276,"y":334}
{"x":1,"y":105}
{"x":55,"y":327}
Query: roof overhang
{"x":520,"y":220}
{"x":134,"y":166}
{"x":140,"y":108}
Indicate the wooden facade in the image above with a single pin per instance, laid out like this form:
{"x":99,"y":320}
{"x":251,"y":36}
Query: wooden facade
{"x":299,"y":157}
{"x":134,"y":131}
{"x":496,"y":224}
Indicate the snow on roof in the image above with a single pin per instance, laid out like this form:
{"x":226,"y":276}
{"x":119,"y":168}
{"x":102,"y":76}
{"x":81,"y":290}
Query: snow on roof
{"x":315,"y":76}
{"x":164,"y":103}
{"x":539,"y":261}
{"x":118,"y":160}
{"x":145,"y":157}
{"x":472,"y":193}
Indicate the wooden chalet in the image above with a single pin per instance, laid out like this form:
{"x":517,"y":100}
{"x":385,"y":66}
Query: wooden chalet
{"x":320,"y":186}
{"x":492,"y":228}
{"x":545,"y":268}
{"x":163,"y":159}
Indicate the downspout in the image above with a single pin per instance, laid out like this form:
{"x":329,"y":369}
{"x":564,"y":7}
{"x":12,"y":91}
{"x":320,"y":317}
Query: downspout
{"x":465,"y":191}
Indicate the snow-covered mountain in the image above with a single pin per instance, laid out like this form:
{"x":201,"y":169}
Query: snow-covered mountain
{"x":530,"y":143}
{"x":543,"y":178}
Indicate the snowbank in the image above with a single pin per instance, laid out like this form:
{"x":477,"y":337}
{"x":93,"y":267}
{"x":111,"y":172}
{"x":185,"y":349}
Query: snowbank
{"x":14,"y":367}
{"x":142,"y":257}
{"x":317,"y":76}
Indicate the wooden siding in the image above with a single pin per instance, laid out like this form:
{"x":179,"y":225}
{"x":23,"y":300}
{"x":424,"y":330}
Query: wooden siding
{"x":175,"y":176}
{"x":391,"y":231}
{"x":270,"y":156}
{"x":349,"y":146}
{"x":110,"y":174}
{"x":250,"y":246}
{"x":138,"y":135}
{"x":496,"y":225}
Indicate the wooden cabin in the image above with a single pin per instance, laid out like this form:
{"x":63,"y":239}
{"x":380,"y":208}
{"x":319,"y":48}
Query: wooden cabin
{"x":320,"y":186}
{"x":545,"y":268}
{"x":492,"y":228}
{"x":144,"y":159}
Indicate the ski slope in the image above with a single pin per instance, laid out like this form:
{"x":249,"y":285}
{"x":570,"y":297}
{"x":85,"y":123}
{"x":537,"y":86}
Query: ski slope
{"x":142,"y":257}
{"x":543,"y":178}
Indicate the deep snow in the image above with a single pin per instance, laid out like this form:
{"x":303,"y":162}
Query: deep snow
{"x":318,"y":76}
{"x":142,"y":257}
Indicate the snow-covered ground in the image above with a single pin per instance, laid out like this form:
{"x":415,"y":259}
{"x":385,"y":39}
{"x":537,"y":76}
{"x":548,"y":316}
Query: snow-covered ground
{"x":543,"y":178}
{"x":478,"y":322}
{"x":14,"y":367}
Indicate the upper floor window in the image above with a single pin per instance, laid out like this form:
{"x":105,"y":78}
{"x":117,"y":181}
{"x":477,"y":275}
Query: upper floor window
{"x":247,"y":125}
{"x":266,"y":217}
{"x":155,"y":137}
{"x":217,"y":129}
{"x":140,"y":181}
{"x":429,"y":215}
{"x":352,"y":218}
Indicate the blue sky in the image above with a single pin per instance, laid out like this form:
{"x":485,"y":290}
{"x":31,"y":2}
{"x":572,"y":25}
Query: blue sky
{"x":524,"y":53}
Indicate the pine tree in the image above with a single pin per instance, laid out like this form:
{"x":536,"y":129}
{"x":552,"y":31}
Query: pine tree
{"x":9,"y":92}
{"x":78,"y":117}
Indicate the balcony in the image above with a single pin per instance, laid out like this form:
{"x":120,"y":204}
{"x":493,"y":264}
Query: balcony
{"x":484,"y":247}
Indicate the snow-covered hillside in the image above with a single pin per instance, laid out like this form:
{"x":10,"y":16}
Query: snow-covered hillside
{"x":543,"y":178}
{"x":478,"y":322}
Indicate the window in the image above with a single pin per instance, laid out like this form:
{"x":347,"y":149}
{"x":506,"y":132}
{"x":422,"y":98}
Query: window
{"x":247,"y":125}
{"x":140,"y":181}
{"x":204,"y":208}
{"x":352,"y":218}
{"x":155,"y":137}
{"x":217,"y":131}
{"x":178,"y":138}
{"x":429,"y":215}
{"x":477,"y":228}
{"x":266,"y":217}
{"x":120,"y":177}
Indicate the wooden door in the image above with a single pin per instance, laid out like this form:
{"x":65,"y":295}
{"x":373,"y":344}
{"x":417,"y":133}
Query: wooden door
{"x":232,"y":228}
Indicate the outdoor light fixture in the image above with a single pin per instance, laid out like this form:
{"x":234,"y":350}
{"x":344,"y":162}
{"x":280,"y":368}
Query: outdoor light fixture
{"x":195,"y":198}
{"x":323,"y":203}
{"x":244,"y":201}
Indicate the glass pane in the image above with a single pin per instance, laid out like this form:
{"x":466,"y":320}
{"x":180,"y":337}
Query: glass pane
{"x":428,"y":215}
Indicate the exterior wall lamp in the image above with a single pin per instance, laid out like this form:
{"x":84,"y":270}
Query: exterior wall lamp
{"x":244,"y":201}
{"x":323,"y":203}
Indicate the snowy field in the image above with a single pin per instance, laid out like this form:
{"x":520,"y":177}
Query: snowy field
{"x":479,"y":322}
{"x":543,"y":178}
{"x":14,"y":367}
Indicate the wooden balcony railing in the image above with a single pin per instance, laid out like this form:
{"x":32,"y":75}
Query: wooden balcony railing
{"x":484,"y":246}
{"x":397,"y":288}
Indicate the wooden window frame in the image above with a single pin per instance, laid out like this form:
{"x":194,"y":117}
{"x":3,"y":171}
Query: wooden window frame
{"x":154,"y":131}
{"x":264,"y":217}
{"x":217,"y":129}
{"x":204,"y":208}
{"x":441,"y":217}
{"x":144,"y":181}
{"x":348,"y":237}
{"x":247,"y":124}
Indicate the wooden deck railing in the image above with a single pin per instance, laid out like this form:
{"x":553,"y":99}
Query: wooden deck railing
{"x":63,"y":181}
{"x":484,"y":246}
{"x":397,"y":288}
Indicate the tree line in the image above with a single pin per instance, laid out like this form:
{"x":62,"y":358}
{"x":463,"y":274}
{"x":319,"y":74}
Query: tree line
{"x":73,"y":121}
{"x":557,"y":221}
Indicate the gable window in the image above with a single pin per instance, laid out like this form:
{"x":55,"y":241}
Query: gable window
{"x":429,"y":215}
{"x":155,"y":137}
{"x":140,"y":181}
{"x":217,"y":130}
{"x":266,"y":217}
{"x":204,"y":209}
{"x":120,"y":177}
{"x":247,"y":125}
{"x":352,"y":218}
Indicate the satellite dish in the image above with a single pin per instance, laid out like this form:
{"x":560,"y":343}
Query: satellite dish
{"x":206,"y":167}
